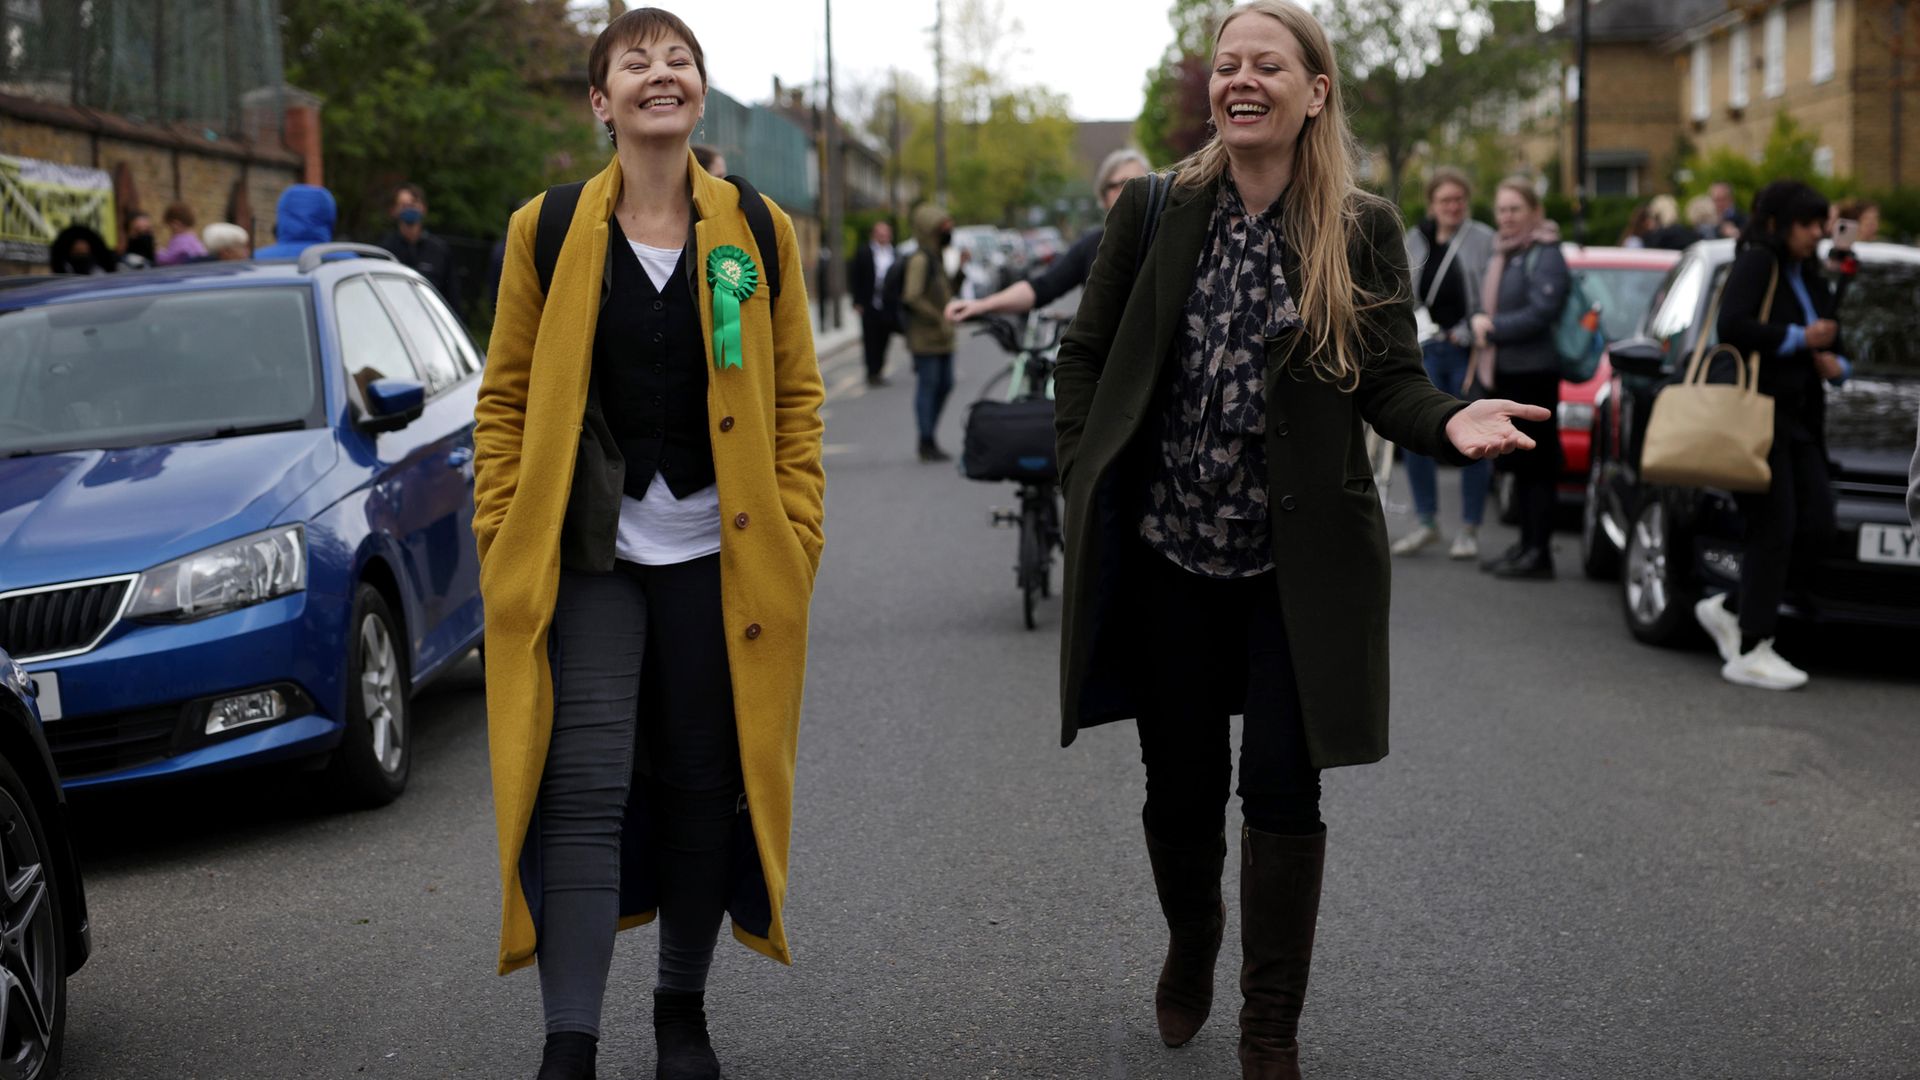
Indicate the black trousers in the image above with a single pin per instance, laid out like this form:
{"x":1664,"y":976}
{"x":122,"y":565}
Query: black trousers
{"x":1787,"y":526}
{"x":1219,"y":647}
{"x":876,"y":331}
{"x":1536,"y":472}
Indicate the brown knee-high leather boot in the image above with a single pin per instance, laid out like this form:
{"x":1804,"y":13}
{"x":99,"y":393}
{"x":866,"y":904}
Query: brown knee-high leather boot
{"x":1279,"y":905}
{"x":1188,"y":881}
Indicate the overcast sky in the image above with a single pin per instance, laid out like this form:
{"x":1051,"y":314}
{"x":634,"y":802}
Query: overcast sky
{"x":1097,"y":52}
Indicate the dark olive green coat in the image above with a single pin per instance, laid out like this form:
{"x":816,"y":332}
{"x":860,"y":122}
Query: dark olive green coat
{"x":1329,"y":537}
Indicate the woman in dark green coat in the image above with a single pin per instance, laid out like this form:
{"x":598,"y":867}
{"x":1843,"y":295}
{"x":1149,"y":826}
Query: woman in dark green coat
{"x":1226,"y":551}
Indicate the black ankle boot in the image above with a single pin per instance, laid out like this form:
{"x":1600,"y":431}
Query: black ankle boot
{"x":682,"y":1049}
{"x":1535,"y":564}
{"x":569,"y":1056}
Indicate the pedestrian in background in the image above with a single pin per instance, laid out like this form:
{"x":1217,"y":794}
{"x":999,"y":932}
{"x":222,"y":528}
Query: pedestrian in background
{"x":1226,"y":549}
{"x":78,"y":249}
{"x":303,"y":217}
{"x":710,"y":159}
{"x":415,"y":247}
{"x":225,"y":242}
{"x":1447,"y":256}
{"x":136,"y":241}
{"x":1778,"y":303}
{"x":925,"y":292}
{"x":1703,"y":218}
{"x":182,"y":244}
{"x":1732,"y":222}
{"x":1669,"y":232}
{"x":1864,"y":211}
{"x":648,"y":510}
{"x":1514,"y":356}
{"x":1070,"y":271}
{"x":866,"y":275}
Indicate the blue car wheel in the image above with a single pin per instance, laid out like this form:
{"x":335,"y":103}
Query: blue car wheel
{"x":370,"y":767}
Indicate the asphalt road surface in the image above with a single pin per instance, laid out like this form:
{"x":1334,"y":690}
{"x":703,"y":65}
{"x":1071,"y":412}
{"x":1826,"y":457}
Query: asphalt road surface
{"x":1584,"y":858}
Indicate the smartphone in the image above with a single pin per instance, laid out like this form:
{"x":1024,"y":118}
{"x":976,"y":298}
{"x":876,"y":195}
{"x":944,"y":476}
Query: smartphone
{"x":1845,"y":231}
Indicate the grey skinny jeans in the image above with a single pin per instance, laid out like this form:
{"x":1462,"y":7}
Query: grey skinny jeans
{"x":641,"y":686}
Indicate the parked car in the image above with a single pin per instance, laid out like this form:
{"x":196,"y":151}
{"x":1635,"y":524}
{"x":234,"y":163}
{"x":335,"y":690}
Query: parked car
{"x":236,"y":507}
{"x":1671,"y":545}
{"x":1046,"y":243}
{"x":44,"y":921}
{"x":985,"y":267}
{"x":1620,"y":283}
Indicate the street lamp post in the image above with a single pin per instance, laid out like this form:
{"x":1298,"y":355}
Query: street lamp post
{"x":836,"y":182}
{"x":939,"y":106}
{"x":1580,"y":136}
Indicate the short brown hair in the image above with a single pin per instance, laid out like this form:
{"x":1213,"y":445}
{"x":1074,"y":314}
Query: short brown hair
{"x":640,"y":26}
{"x":1447,"y":174}
{"x":179,"y":214}
{"x":1853,"y":209}
{"x":1522,"y":187}
{"x":408,"y":188}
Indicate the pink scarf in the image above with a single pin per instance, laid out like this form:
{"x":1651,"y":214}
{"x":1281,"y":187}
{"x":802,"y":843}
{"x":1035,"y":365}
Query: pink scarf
{"x":1547,"y":232}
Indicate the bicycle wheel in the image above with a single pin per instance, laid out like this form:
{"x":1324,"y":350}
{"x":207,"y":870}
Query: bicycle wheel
{"x":1050,"y":540}
{"x":1033,"y":555}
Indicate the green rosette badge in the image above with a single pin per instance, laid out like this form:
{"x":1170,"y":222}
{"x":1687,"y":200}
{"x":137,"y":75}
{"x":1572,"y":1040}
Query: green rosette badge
{"x":733,"y":277}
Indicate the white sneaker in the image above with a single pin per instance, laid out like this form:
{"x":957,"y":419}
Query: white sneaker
{"x":1720,"y":624}
{"x":1763,"y":668}
{"x":1415,"y":540}
{"x":1466,"y":545}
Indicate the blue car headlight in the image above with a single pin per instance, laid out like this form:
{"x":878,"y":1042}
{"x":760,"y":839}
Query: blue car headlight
{"x":236,"y":574}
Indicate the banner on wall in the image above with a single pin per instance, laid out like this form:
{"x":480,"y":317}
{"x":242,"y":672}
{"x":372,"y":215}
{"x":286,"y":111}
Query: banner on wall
{"x":39,"y":198}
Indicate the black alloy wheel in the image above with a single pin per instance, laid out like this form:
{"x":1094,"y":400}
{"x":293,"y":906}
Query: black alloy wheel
{"x":33,"y":961}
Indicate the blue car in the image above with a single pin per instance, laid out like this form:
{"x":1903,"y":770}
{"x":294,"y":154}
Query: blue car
{"x":236,"y":506}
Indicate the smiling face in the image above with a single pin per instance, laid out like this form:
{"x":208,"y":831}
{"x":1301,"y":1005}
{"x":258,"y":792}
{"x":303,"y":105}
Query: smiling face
{"x":1261,"y":94}
{"x":653,"y":91}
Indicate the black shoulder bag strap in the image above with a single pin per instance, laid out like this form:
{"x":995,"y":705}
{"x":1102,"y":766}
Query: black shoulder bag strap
{"x":556,"y":214}
{"x":1158,"y":184}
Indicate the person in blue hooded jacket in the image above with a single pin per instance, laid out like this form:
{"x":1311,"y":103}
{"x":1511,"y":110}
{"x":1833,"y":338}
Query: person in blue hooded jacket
{"x":305,"y":218}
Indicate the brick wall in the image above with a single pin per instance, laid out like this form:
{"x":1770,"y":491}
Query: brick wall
{"x":1632,"y":107}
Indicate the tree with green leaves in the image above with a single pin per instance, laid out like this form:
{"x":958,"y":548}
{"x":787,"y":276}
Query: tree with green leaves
{"x":1173,"y":117}
{"x":1409,"y":75}
{"x":449,"y":94}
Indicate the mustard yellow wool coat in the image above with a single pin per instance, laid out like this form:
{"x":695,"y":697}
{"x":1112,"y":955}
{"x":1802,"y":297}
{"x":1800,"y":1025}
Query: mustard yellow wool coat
{"x":766,"y":433}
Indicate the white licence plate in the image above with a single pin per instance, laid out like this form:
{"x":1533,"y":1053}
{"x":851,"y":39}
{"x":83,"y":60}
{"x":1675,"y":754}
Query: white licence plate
{"x":1889,"y":544}
{"x":49,"y":696}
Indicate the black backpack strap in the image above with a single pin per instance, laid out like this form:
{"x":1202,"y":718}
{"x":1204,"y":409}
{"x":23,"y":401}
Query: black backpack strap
{"x":761,"y":222}
{"x":1158,"y":184}
{"x":556,"y":214}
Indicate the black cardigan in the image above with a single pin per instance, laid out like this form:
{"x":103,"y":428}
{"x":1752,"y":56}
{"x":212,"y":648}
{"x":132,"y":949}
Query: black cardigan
{"x":1799,"y":401}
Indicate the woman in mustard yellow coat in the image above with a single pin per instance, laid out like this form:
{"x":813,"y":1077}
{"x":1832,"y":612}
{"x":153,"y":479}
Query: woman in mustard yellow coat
{"x":648,"y":510}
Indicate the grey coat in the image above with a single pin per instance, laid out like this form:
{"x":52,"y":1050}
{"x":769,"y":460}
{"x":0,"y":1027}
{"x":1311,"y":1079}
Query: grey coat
{"x":1476,"y":251}
{"x":1529,"y":306}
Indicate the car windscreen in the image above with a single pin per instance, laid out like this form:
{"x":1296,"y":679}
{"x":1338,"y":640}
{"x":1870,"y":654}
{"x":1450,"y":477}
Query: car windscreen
{"x":1622,"y":294}
{"x":1876,"y":319}
{"x":139,"y":370}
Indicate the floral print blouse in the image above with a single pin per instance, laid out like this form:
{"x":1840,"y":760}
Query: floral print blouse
{"x":1207,"y":494}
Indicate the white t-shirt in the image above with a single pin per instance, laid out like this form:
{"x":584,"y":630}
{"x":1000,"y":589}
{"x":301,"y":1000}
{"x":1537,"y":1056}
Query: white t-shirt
{"x":661,"y":530}
{"x":882,"y":262}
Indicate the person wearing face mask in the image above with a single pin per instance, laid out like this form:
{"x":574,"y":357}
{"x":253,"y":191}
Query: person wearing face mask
{"x":414,"y":246}
{"x":139,"y":252}
{"x":1778,"y":303}
{"x":78,"y":249}
{"x":1514,"y":355}
{"x":1226,"y":548}
{"x":1069,"y":272}
{"x":1447,"y":255}
{"x":648,"y":505}
{"x":925,"y":292}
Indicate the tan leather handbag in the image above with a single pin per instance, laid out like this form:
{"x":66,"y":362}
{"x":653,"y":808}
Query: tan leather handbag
{"x":1704,"y":434}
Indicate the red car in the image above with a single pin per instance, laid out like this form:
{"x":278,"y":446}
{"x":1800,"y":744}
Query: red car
{"x":1620,"y":283}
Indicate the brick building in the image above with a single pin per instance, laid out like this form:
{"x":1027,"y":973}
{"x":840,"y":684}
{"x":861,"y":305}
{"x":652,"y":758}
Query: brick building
{"x":1634,"y":122}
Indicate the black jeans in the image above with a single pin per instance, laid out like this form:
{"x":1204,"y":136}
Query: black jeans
{"x":1219,"y":647}
{"x":641,"y":688}
{"x":1786,"y":526}
{"x":876,"y":332}
{"x":1536,"y":472}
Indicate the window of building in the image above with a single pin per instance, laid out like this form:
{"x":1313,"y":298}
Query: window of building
{"x":1822,"y":40}
{"x":1776,"y":52}
{"x":1739,"y":63}
{"x":1702,"y":81}
{"x":1613,"y":180}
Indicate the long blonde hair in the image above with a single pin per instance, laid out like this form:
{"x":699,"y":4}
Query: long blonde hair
{"x":1325,"y":161}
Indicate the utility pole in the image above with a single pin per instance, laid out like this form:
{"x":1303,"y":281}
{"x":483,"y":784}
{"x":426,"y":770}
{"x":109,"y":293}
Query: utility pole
{"x":1580,"y":137}
{"x":836,"y":185}
{"x":939,"y":103}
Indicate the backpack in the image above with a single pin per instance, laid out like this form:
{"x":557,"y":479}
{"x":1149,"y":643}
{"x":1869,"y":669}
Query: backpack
{"x":1576,"y":333}
{"x":893,"y":288}
{"x":556,"y":213}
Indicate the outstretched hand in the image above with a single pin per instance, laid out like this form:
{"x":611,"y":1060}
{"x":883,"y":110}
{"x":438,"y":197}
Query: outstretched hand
{"x":1484,"y":429}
